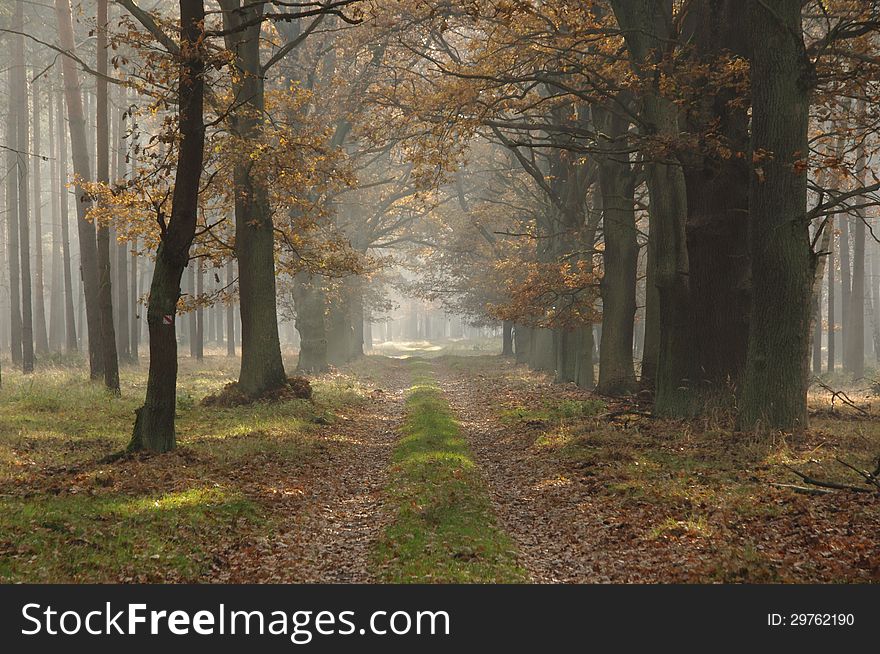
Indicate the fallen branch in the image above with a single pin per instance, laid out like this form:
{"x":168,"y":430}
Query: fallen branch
{"x":803,"y":490}
{"x":842,"y":396}
{"x":870,"y":477}
{"x":835,"y":486}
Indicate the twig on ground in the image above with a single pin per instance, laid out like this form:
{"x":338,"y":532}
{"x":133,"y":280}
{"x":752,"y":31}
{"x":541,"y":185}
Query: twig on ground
{"x":842,"y":396}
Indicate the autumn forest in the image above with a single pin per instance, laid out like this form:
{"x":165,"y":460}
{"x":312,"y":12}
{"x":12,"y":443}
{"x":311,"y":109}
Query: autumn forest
{"x":418,"y":291}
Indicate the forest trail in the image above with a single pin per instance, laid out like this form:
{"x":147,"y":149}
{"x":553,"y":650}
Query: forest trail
{"x":327,"y":537}
{"x":545,"y":519}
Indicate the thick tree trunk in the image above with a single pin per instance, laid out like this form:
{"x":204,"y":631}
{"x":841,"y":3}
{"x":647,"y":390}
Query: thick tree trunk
{"x":585,"y":369}
{"x":262,"y":368}
{"x":81,"y":168}
{"x":543,"y":350}
{"x":41,"y":332}
{"x":522,"y":338}
{"x":154,"y":425}
{"x":310,"y":323}
{"x":774,"y":393}
{"x":718,"y":202}
{"x":566,"y":344}
{"x":646,"y":25}
{"x":621,"y":256}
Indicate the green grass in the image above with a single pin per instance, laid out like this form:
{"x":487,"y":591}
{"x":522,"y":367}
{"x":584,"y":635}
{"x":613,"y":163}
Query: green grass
{"x":67,"y":516}
{"x":444,"y":530}
{"x":82,"y":538}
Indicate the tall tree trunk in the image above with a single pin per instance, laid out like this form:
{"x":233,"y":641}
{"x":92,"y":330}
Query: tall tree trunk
{"x":154,"y":425}
{"x":88,"y":250}
{"x":845,"y":281}
{"x":647,"y":27}
{"x":22,"y":146}
{"x":854,"y":342}
{"x":14,"y":257}
{"x":262,"y":368}
{"x":64,"y":215}
{"x":56,"y":298}
{"x":102,"y":134}
{"x":651,"y":345}
{"x":774,"y":393}
{"x":875,"y":295}
{"x":41,"y":332}
{"x":121,"y":251}
{"x":832,"y":264}
{"x":621,"y":256}
{"x":718,"y":200}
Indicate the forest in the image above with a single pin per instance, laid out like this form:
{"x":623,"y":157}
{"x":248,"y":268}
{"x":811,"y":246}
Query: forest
{"x":419,"y":291}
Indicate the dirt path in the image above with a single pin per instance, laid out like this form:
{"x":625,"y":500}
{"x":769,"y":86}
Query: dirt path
{"x":551,"y":524}
{"x":334,"y":509}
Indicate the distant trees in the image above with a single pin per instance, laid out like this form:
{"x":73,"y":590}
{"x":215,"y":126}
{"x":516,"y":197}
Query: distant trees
{"x":638,"y":185}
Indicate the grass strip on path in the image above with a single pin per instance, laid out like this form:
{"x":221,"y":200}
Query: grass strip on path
{"x":444,"y":530}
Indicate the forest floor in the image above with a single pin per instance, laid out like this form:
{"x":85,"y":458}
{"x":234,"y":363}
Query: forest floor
{"x":433,"y":463}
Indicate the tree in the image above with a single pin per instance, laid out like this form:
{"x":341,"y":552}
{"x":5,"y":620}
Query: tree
{"x":22,"y":147}
{"x":105,"y":291}
{"x":88,"y":248}
{"x":154,"y":426}
{"x":783,"y":263}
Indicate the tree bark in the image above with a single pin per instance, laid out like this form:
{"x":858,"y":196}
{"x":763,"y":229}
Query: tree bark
{"x":262,"y":368}
{"x":22,"y":147}
{"x":310,"y":323}
{"x":121,"y":251}
{"x":621,"y":255}
{"x":56,"y":298}
{"x":832,"y":336}
{"x":41,"y":332}
{"x":647,"y":28}
{"x":14,"y":257}
{"x":102,"y":169}
{"x":854,"y":342}
{"x":154,"y":425}
{"x":64,"y":218}
{"x":774,"y":393}
{"x":81,"y":168}
{"x":718,"y":202}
